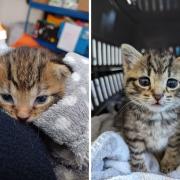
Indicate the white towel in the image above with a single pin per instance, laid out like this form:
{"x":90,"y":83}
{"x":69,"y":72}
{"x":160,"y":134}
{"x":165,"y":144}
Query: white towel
{"x":110,"y":160}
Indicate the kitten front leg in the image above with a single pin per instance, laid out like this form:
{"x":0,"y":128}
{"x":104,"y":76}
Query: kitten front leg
{"x":137,"y":149}
{"x":169,"y":161}
{"x":171,"y":158}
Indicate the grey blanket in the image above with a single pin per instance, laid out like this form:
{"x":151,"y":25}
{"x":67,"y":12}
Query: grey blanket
{"x":66,"y":124}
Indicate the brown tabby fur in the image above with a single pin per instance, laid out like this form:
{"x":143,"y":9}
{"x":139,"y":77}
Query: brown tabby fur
{"x":149,"y":127}
{"x":25,"y":74}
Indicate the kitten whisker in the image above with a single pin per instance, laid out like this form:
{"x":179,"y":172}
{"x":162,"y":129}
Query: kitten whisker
{"x":125,"y":106}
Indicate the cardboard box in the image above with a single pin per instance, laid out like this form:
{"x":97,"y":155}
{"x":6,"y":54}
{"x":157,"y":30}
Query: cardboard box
{"x":84,"y":5}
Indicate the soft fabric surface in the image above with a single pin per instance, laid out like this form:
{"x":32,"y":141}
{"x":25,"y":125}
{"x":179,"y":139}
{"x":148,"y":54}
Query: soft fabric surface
{"x":66,"y":123}
{"x":23,"y":155}
{"x":110,"y":160}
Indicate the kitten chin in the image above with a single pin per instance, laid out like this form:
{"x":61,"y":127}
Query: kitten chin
{"x":158,"y":108}
{"x":31,"y":80}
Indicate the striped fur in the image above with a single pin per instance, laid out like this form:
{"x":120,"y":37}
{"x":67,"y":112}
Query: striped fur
{"x":148,"y":126}
{"x":27,"y":73}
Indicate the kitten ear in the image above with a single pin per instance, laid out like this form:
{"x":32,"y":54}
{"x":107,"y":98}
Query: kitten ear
{"x":130,"y":55}
{"x":60,"y":70}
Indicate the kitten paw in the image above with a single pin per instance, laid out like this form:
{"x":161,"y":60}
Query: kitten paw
{"x":167,"y":166}
{"x":139,"y":168}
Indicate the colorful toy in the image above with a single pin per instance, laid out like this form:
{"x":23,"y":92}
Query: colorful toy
{"x":46,"y":31}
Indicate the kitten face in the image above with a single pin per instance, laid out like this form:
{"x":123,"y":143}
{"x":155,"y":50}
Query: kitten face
{"x":151,"y":80}
{"x":31,"y":80}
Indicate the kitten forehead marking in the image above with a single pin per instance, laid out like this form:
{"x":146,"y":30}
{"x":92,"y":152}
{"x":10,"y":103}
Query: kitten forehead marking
{"x":25,"y":67}
{"x":159,"y":63}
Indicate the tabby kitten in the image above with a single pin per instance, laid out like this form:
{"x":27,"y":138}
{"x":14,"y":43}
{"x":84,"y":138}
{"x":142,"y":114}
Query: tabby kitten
{"x":31,"y":80}
{"x":150,"y":119}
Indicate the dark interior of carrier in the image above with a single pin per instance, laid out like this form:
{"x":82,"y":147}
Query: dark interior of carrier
{"x":145,"y":24}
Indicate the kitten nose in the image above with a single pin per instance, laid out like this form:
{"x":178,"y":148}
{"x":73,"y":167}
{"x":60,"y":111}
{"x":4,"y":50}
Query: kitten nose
{"x":23,"y":119}
{"x":23,"y":114}
{"x":158,"y":96}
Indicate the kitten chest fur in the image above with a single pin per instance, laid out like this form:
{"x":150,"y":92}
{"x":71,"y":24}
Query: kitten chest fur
{"x":155,"y":129}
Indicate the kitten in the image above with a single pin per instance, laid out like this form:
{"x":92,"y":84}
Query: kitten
{"x":31,"y":80}
{"x":150,"y":119}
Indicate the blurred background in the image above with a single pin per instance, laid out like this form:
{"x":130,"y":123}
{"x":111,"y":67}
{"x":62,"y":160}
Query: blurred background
{"x":142,"y":23}
{"x":58,"y":25}
{"x":145,"y":24}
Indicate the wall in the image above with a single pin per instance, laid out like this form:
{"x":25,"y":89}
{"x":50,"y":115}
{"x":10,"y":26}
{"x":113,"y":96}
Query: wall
{"x":12,"y":11}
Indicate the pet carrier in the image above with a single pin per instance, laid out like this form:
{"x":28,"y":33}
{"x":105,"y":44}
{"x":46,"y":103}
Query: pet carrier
{"x":145,"y":24}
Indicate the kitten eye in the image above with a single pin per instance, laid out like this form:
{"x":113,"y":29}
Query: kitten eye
{"x":172,"y":83}
{"x":41,"y":99}
{"x":7,"y":98}
{"x":144,"y":81}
